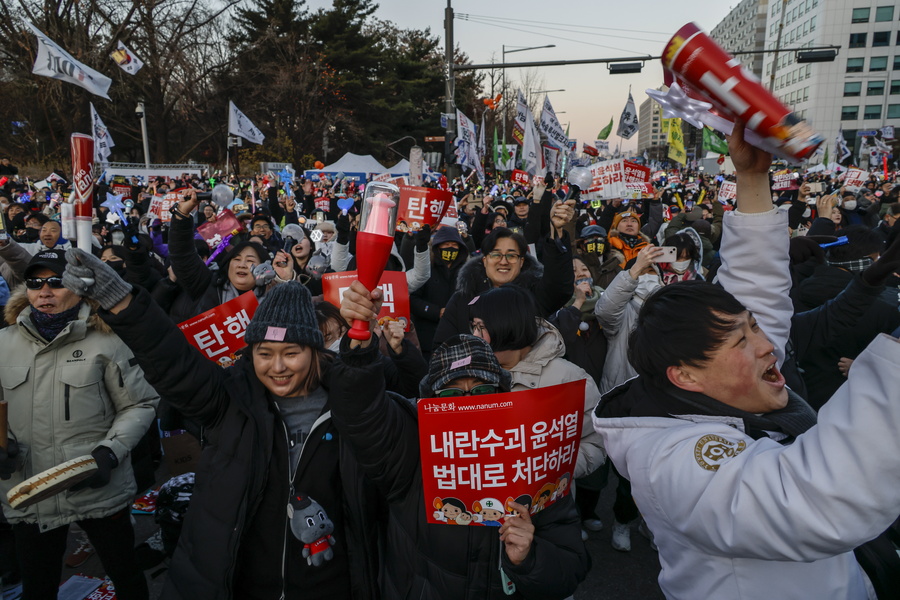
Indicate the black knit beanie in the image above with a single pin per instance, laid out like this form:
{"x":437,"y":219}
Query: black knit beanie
{"x":286,"y":314}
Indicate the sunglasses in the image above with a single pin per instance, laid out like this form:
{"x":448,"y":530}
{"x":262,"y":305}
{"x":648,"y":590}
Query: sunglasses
{"x":479,"y":390}
{"x":36,"y":283}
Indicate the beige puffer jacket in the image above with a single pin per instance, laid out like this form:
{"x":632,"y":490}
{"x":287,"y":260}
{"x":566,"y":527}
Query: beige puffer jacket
{"x":67,"y":397}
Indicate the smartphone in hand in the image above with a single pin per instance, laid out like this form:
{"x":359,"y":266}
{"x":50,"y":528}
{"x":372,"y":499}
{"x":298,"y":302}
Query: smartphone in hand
{"x":669,"y":255}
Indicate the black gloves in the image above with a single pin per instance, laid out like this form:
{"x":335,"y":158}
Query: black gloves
{"x":423,"y":236}
{"x":106,"y":461}
{"x":343,"y":229}
{"x":9,"y":460}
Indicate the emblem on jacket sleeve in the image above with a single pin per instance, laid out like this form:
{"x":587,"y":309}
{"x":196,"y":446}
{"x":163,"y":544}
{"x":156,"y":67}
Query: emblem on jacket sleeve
{"x":712,"y":450}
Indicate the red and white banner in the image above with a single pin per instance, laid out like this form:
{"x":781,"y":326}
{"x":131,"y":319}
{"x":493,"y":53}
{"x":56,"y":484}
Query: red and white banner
{"x":397,"y":180}
{"x":520,"y":177}
{"x":608,"y":178}
{"x":589,"y":150}
{"x":635,"y":173}
{"x":727,"y":192}
{"x":855,"y":179}
{"x":160,"y":206}
{"x":393,"y":287}
{"x":420,"y":206}
{"x":785,"y":180}
{"x":479,"y":453}
{"x":674,"y":178}
{"x":219,"y":332}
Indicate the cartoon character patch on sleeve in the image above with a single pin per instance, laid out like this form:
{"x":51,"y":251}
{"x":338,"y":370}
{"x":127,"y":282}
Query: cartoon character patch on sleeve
{"x":711,"y":451}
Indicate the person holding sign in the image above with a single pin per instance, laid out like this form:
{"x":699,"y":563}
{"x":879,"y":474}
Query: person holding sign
{"x":273,"y":444}
{"x":540,"y":555}
{"x":748,"y":492}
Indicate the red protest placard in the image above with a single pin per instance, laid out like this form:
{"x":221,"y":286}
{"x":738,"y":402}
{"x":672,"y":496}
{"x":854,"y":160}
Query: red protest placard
{"x":420,"y":206}
{"x":219,"y":333}
{"x":520,"y":177}
{"x":479,"y":453}
{"x":393,"y":286}
{"x":635,"y":173}
{"x":785,"y":180}
{"x":608,"y":178}
{"x":727,"y":191}
{"x":855,"y":179}
{"x":225,"y":224}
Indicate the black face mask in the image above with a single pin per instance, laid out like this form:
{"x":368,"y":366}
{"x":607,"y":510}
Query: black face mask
{"x":30,"y":235}
{"x":595,"y":246}
{"x":448,"y":255}
{"x":117,"y":265}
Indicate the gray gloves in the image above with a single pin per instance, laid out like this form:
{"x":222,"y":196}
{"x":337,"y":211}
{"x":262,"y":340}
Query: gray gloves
{"x":88,"y":276}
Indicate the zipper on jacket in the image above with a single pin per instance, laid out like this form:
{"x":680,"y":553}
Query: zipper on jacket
{"x":66,"y":396}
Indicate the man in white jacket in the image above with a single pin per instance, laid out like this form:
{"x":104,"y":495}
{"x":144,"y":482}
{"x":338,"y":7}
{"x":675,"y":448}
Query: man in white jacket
{"x":750,"y":494}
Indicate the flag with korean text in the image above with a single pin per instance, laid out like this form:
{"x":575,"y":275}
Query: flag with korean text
{"x":219,"y":332}
{"x":676,"y":141}
{"x":551,"y":128}
{"x":240,"y":125}
{"x":54,"y":62}
{"x":103,"y":142}
{"x":481,"y":453}
{"x":628,"y":122}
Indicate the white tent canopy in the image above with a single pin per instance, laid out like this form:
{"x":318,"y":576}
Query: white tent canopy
{"x":356,"y":163}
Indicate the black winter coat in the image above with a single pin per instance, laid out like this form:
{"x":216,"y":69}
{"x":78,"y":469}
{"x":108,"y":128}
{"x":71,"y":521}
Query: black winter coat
{"x":236,"y":542}
{"x":426,"y":302}
{"x":551,"y":283}
{"x":441,"y":562}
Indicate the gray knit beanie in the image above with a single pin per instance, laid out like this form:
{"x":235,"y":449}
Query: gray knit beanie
{"x":286,"y":315}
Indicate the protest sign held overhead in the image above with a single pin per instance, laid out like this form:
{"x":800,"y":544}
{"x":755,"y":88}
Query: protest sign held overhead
{"x":393,"y":286}
{"x":219,"y":332}
{"x":479,"y":453}
{"x":421,"y":206}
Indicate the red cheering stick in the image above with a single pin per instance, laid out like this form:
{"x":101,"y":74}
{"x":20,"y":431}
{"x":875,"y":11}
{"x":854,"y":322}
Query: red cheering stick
{"x":374,"y":242}
{"x":83,"y":188}
{"x":703,"y":68}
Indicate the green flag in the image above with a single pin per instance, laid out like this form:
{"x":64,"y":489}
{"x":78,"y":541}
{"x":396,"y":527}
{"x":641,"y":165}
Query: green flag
{"x":825,"y":162}
{"x":714,"y":143}
{"x":606,"y":130}
{"x":496,"y":149}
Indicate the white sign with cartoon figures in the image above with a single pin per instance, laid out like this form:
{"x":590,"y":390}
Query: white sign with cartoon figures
{"x":481,"y":454}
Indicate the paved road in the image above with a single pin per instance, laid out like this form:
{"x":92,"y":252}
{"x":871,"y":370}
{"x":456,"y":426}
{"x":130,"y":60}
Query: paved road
{"x":613,"y":576}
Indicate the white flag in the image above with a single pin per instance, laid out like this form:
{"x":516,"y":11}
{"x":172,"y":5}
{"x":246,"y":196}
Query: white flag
{"x":467,"y":144}
{"x":864,"y":147}
{"x":482,"y":145}
{"x":628,"y":122}
{"x":103,"y":142}
{"x":54,"y":62}
{"x":840,"y":147}
{"x":551,"y":127}
{"x":532,"y":152}
{"x":601,"y":145}
{"x":881,"y":146}
{"x":239,"y":124}
{"x":522,"y":114}
{"x":126,"y":59}
{"x":511,"y":163}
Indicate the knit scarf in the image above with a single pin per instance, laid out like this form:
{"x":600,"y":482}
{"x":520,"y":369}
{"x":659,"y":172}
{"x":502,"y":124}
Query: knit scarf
{"x":51,"y":325}
{"x":638,"y":398}
{"x":630,"y":240}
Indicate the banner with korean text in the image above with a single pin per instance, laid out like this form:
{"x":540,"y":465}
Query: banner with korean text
{"x":479,"y":453}
{"x":727,"y":192}
{"x":608,"y":178}
{"x":393,"y":287}
{"x":785,"y":180}
{"x":219,"y":332}
{"x":420,"y":206}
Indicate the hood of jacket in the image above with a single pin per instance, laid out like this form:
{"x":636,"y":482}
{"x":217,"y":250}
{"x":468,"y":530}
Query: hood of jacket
{"x":549,"y":345}
{"x":449,"y":234}
{"x":18,"y":302}
{"x":473,"y":279}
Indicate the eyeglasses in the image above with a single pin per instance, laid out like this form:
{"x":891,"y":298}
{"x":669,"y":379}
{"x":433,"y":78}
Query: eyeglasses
{"x":478,"y":390}
{"x":261,"y":226}
{"x":477,"y":328}
{"x":509,"y":256}
{"x":36,"y":283}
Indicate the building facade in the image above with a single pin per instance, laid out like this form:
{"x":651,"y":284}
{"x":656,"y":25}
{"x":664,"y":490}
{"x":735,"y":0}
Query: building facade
{"x":743,"y":30}
{"x":651,"y":137}
{"x":860,"y":90}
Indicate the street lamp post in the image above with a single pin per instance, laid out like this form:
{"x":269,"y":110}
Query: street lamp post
{"x":142,"y":115}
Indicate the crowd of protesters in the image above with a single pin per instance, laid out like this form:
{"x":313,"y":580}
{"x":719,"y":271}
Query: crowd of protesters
{"x":739,"y":357}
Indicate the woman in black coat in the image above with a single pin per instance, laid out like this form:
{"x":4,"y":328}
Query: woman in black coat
{"x":505,"y":259}
{"x":272,"y":442}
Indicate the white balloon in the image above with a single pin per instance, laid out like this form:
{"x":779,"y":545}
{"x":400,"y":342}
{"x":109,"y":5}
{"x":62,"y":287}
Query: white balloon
{"x":222,"y":195}
{"x":580,"y":176}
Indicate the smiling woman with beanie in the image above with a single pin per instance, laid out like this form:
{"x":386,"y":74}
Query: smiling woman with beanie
{"x":271,"y":440}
